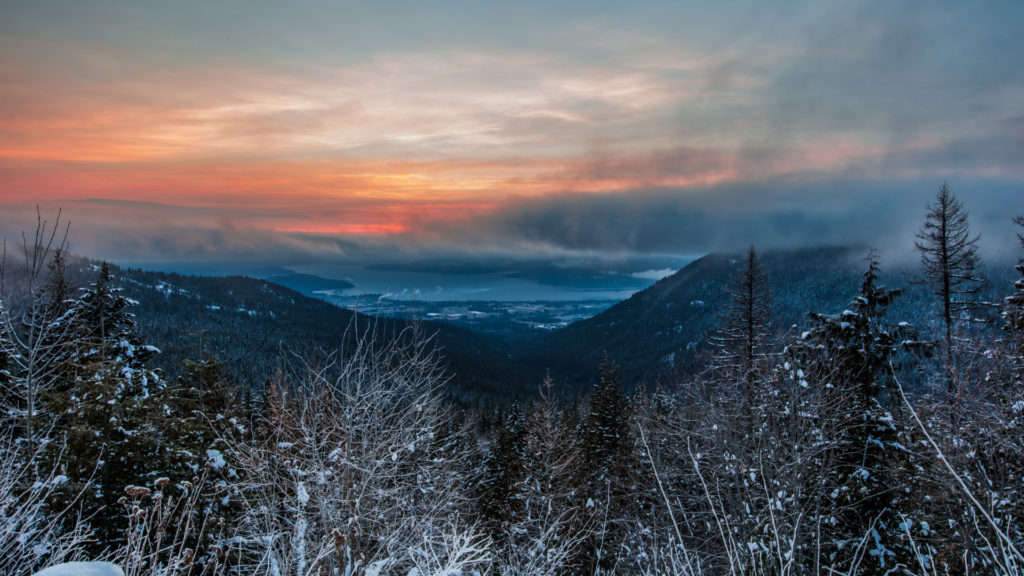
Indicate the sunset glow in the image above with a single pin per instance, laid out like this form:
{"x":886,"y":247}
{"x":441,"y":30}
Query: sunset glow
{"x":337,"y":121}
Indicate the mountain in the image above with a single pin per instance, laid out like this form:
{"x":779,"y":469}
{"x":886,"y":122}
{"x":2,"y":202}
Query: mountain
{"x":256,"y":327}
{"x":661,"y":332}
{"x":308,"y":284}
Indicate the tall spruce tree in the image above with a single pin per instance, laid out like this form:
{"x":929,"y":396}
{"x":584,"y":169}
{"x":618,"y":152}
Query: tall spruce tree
{"x":111,"y":412}
{"x":1013,"y":312}
{"x":503,"y":470}
{"x":949,"y":262}
{"x":606,"y":472}
{"x":105,"y":325}
{"x":606,"y":428}
{"x":741,"y":343}
{"x":851,"y":352}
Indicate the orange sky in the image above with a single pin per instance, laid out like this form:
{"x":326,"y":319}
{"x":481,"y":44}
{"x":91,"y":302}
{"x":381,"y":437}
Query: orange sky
{"x":341,"y":120}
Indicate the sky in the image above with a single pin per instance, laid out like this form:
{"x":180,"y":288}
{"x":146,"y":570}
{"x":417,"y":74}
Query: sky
{"x":340,"y":132}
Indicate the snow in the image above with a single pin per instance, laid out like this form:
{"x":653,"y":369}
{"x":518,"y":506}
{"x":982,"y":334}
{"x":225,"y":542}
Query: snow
{"x":82,"y":569}
{"x":375,"y":568}
{"x":216,"y":459}
{"x":302,"y":494}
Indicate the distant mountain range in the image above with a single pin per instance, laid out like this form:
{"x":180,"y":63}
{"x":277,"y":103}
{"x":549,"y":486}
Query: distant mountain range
{"x":659,"y":334}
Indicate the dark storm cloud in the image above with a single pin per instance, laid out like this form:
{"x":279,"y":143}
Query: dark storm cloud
{"x":882,"y":214}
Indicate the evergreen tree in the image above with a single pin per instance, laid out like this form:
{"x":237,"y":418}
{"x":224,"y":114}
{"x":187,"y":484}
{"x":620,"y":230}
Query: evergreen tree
{"x":61,"y":336}
{"x":58,"y":290}
{"x":852,"y":352}
{"x":949,"y":259}
{"x":113,"y":440}
{"x":111,"y":410}
{"x":203,"y":423}
{"x":741,"y":343}
{"x":606,"y":472}
{"x":1013,"y":312}
{"x":606,"y":429}
{"x":106,"y":328}
{"x":503,"y":470}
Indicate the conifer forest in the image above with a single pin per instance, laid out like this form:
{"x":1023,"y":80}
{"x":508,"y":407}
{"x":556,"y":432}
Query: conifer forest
{"x":856,"y":441}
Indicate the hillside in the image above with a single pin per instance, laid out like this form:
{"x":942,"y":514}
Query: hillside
{"x":310,"y":285}
{"x":256,"y":327}
{"x":663,"y":330}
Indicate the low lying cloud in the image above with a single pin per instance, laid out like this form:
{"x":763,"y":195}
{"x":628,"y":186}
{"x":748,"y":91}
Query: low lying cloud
{"x":567,"y":230}
{"x":728,"y":218}
{"x":653,"y":274}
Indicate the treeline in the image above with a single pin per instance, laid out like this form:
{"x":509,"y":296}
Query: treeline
{"x":795,"y":454}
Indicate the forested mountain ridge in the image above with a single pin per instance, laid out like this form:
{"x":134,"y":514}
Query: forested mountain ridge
{"x":255,"y":327}
{"x":664,"y":329}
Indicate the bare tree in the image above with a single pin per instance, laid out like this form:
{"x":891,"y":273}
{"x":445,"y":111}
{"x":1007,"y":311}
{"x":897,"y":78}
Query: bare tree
{"x":949,"y":259}
{"x":32,"y":335}
{"x":360,"y":471}
{"x":32,"y":533}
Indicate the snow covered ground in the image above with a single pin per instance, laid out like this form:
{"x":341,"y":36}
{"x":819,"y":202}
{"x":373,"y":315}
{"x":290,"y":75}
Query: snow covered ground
{"x":82,"y":569}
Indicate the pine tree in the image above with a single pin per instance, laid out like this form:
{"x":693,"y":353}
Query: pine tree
{"x":202,"y":425}
{"x":949,"y":259}
{"x":1013,"y":312}
{"x":852,"y":352}
{"x":606,"y":471}
{"x":105,"y":327}
{"x":111,"y":409}
{"x":503,"y":470}
{"x":741,"y":343}
{"x":113,"y":440}
{"x":606,"y":429}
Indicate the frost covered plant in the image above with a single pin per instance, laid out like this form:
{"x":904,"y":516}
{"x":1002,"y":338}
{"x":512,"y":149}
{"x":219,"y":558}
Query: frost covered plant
{"x":32,"y":535}
{"x":165,"y":532}
{"x":359,"y":470}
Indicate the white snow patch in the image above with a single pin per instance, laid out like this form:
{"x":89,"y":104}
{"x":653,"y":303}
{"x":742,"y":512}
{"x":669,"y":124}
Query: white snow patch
{"x":216,"y":458}
{"x":375,"y":568}
{"x":82,"y":569}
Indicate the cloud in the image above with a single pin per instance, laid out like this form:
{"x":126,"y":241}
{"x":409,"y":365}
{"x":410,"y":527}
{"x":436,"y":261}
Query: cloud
{"x":631,"y":233}
{"x":653,"y":274}
{"x":729,"y":217}
{"x":659,"y":127}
